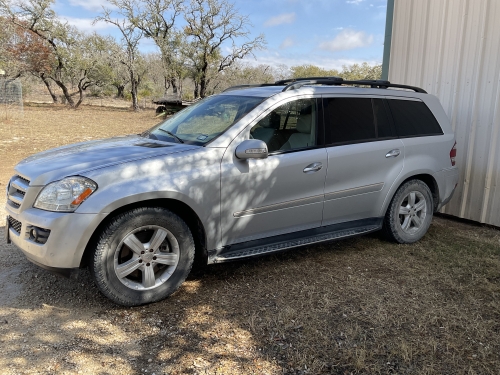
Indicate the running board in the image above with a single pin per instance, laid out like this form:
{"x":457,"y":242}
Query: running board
{"x":226,"y":254}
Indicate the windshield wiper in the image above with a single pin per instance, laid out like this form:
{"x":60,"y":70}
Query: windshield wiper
{"x":172,"y":135}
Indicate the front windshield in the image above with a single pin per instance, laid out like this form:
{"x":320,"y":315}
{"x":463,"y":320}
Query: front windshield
{"x":199,"y":123}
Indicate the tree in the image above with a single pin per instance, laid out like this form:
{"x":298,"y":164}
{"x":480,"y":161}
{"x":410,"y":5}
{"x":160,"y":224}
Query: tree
{"x":241,"y":73}
{"x":361,"y":71}
{"x":349,"y":72}
{"x":129,"y":54}
{"x":211,"y":24}
{"x":119,"y":79}
{"x":156,"y":19}
{"x":25,"y":52}
{"x":79,"y":60}
{"x":308,"y":70}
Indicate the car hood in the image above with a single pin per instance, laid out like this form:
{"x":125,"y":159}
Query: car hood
{"x":76,"y":159}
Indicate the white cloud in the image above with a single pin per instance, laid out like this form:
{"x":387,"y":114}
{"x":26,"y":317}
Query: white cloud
{"x":288,"y":42}
{"x":93,"y":5}
{"x":355,"y":2}
{"x":347,"y":39}
{"x":85,"y":24}
{"x":280,"y":19}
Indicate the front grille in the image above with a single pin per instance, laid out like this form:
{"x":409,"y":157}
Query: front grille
{"x":17,"y":190}
{"x":27,"y":182}
{"x":14,"y":204}
{"x":14,"y":224}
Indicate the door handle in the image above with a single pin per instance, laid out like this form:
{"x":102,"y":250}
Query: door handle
{"x":314,"y":167}
{"x":393,"y":153}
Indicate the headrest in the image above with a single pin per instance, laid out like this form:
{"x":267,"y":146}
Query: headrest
{"x":271,"y":121}
{"x":306,"y":110}
{"x":304,"y":123}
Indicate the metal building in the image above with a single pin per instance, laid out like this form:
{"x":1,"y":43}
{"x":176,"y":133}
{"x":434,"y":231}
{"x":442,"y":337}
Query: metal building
{"x":451,"y":48}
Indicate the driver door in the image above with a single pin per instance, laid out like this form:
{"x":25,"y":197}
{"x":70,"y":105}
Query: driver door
{"x":280,"y":194}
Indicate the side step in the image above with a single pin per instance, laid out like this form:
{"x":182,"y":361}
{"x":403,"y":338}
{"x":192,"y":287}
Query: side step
{"x":226,"y":254}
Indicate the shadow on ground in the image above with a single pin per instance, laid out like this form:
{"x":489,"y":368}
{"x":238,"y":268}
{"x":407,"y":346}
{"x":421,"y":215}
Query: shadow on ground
{"x":355,"y":306}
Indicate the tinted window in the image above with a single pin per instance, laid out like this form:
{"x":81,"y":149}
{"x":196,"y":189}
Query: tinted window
{"x":413,"y":118}
{"x":349,"y":120}
{"x":382,"y":120}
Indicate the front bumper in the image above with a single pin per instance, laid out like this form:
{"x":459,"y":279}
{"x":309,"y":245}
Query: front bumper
{"x":69,"y":234}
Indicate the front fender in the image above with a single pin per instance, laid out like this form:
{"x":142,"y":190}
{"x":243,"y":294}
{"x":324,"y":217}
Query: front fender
{"x":192,"y":178}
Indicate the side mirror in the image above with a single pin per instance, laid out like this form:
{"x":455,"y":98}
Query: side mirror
{"x":251,"y":149}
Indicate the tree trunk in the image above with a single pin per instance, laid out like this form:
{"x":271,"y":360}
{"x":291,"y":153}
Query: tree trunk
{"x":173,"y":83}
{"x":66,"y":93}
{"x":133,"y":91}
{"x":47,"y":84}
{"x":80,"y":98}
{"x":203,"y":79}
{"x":196,"y":92}
{"x":121,"y":91}
{"x":203,"y":86}
{"x":166,"y":86}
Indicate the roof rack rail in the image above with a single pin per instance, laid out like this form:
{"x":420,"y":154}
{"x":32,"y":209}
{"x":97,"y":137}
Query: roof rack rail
{"x":336,"y":81}
{"x":296,"y":83}
{"x":291,"y":80}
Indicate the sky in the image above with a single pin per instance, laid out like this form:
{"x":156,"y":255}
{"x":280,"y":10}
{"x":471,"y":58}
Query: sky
{"x":325,"y":33}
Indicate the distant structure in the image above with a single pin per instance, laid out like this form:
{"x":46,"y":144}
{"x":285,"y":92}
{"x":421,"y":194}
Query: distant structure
{"x":11,"y":97}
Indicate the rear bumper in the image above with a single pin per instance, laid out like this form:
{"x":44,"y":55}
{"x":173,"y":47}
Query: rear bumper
{"x":447,"y":180}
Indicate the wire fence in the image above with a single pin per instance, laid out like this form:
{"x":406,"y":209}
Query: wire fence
{"x":11,"y":99}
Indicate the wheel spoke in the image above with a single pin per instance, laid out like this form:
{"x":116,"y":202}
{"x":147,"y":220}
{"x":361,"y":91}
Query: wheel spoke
{"x":417,"y":221}
{"x":168,"y":259}
{"x":125,"y":269}
{"x":134,"y":244}
{"x":404,"y":210}
{"x":406,"y":223}
{"x":420,"y":205}
{"x":148,"y":277}
{"x":411,"y":199}
{"x":157,"y":239}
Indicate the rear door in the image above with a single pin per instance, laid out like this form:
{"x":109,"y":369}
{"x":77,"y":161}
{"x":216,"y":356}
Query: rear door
{"x":364,"y":158}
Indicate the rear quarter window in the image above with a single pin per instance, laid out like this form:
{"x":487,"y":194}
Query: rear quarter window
{"x":413,"y":118}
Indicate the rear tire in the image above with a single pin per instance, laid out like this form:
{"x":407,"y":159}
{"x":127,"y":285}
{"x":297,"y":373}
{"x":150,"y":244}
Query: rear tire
{"x":410,"y":213}
{"x":161,"y":109}
{"x":142,"y":256}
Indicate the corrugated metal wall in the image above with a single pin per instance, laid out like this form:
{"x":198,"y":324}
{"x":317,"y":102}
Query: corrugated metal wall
{"x":451,"y":48}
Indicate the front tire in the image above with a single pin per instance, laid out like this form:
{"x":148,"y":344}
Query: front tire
{"x":142,"y":256}
{"x":410,"y":213}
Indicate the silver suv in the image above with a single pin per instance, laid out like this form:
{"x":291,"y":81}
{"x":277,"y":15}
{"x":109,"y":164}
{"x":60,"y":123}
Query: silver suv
{"x":251,"y":171}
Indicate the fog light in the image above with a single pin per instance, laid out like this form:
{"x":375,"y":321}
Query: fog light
{"x":38,"y":235}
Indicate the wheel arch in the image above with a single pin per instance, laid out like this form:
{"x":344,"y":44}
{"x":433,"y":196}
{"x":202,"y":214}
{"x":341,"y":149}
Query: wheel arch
{"x":181,"y":209}
{"x":426,"y":178}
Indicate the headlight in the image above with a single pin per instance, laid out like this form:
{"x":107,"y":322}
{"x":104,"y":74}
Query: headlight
{"x":65,"y":195}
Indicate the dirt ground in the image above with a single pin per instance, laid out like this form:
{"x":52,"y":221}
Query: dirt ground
{"x":358,"y":306}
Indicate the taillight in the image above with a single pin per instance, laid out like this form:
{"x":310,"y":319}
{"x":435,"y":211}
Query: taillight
{"x":453,"y":154}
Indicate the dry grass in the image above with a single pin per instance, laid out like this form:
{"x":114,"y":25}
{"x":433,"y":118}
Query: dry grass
{"x":361,"y":306}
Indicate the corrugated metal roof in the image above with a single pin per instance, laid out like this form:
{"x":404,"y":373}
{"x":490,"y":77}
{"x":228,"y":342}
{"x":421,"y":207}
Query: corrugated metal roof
{"x":451,"y":48}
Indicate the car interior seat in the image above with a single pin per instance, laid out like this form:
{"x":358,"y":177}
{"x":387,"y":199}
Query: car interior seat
{"x":305,"y":136}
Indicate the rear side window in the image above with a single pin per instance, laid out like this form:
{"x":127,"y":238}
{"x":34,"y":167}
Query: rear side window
{"x":413,"y":118}
{"x":356,"y":120}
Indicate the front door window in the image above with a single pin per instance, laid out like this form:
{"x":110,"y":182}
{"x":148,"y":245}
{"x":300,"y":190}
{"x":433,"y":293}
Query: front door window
{"x":291,"y":126}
